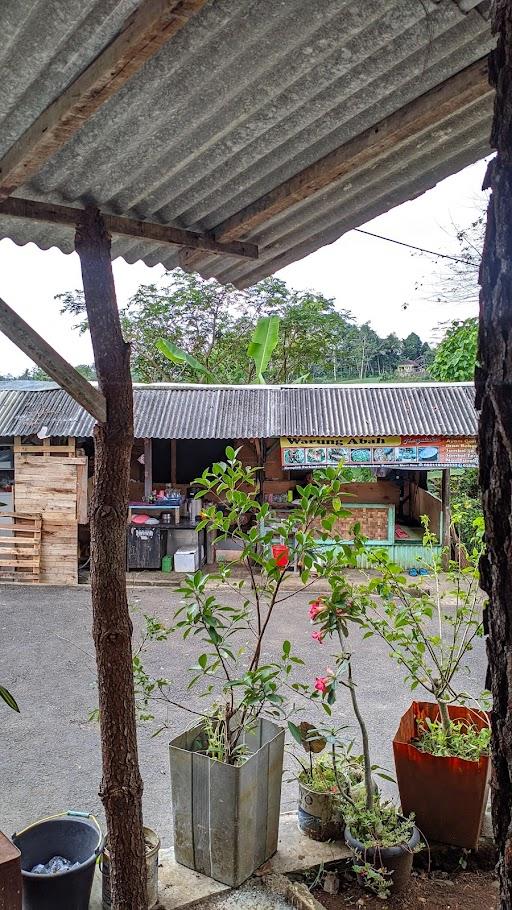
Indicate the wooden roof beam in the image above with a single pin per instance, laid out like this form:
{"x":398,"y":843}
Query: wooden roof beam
{"x":128,"y":227}
{"x":143,"y":34}
{"x":425,"y":113}
{"x":27,"y":340}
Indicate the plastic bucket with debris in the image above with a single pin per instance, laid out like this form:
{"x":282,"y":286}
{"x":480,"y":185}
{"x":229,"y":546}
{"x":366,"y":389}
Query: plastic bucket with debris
{"x":152,"y":846}
{"x":63,"y":849}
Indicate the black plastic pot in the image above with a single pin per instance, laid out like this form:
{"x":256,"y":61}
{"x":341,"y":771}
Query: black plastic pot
{"x":77,"y":837}
{"x":396,"y":860}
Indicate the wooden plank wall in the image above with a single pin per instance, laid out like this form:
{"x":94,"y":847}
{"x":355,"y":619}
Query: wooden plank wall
{"x":377,"y":491}
{"x":425,"y":503}
{"x":53,"y":486}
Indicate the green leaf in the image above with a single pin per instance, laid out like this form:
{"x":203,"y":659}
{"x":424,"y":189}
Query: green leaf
{"x":294,"y":730}
{"x":263,"y":343}
{"x":177,"y":355}
{"x":9,"y":700}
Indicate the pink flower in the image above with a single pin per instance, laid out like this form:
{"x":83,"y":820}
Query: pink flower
{"x":318,"y":636}
{"x":316,"y":607}
{"x":321,"y":683}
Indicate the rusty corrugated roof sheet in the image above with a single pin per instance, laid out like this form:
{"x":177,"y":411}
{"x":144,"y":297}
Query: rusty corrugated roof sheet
{"x":243,"y":97}
{"x":241,"y":412}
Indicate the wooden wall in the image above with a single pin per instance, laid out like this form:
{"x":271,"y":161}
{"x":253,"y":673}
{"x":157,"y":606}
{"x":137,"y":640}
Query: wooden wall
{"x":57,"y":488}
{"x":384,"y":491}
{"x":424,"y":503}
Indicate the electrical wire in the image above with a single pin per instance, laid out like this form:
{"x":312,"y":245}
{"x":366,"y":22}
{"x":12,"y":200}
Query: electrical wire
{"x":419,"y":249}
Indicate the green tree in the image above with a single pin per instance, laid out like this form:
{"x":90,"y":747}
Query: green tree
{"x":213,"y":325}
{"x":390,"y":353}
{"x":87,"y":371}
{"x":455,"y":357}
{"x":39,"y":375}
{"x":412,"y":347}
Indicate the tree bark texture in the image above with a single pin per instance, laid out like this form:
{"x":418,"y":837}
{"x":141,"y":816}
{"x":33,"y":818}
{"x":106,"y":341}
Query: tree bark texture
{"x":494,"y":401}
{"x":121,"y":787}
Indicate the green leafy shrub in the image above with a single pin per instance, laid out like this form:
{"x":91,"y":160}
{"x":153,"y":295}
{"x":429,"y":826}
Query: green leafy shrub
{"x":229,"y":670}
{"x":461,"y":740}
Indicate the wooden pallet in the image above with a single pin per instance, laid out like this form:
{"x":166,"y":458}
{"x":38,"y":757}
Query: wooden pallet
{"x":20,"y":546}
{"x":45,"y":449}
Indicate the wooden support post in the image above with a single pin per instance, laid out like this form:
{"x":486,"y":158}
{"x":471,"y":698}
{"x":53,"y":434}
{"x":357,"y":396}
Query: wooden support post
{"x":173,"y":462}
{"x":23,"y":336}
{"x":148,"y":467}
{"x":447,"y":515}
{"x":494,"y":401}
{"x":49,"y":213}
{"x":121,"y":788}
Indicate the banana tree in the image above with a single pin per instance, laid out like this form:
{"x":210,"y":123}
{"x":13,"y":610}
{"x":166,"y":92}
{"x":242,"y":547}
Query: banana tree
{"x":262,"y":345}
{"x":177,"y":355}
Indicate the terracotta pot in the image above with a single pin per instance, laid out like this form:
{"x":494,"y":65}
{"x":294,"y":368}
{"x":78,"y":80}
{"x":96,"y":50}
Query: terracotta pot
{"x":319,"y":816}
{"x":447,"y":795}
{"x":396,"y":860}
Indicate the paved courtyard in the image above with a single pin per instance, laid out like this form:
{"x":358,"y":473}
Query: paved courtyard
{"x":50,"y":753}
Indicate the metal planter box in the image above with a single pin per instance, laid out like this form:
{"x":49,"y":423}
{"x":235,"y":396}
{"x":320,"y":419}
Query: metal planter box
{"x":447,"y":795}
{"x":226,"y":818}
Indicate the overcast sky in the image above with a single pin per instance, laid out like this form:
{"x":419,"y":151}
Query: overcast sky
{"x":369,"y":277}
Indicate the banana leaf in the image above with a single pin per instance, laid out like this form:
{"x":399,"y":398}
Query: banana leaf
{"x":263,"y":344}
{"x":177,"y":355}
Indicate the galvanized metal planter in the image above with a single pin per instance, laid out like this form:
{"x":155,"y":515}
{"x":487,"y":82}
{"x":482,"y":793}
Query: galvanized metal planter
{"x":226,"y":818}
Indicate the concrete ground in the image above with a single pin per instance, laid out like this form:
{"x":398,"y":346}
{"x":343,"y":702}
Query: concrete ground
{"x":50,"y":753}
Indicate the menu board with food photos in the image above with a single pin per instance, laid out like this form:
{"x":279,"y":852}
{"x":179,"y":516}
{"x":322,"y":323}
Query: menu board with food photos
{"x":301,"y":453}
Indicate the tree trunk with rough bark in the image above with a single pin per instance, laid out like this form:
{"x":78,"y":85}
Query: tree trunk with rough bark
{"x":121,"y":787}
{"x":494,"y":400}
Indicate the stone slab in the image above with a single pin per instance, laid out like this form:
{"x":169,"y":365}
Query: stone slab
{"x":180,"y":887}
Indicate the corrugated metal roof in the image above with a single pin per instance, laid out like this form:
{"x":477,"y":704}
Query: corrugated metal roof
{"x":244,"y":96}
{"x":232,"y":412}
{"x":10,"y":402}
{"x":27,"y":385}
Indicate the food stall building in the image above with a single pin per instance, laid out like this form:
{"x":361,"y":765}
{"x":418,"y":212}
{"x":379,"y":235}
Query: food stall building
{"x":393,"y":437}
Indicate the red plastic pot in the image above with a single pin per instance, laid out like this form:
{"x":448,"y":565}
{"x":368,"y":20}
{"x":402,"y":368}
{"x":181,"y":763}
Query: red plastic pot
{"x":281,"y":554}
{"x":447,"y":795}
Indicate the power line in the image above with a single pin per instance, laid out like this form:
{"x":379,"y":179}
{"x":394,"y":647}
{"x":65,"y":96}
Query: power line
{"x":420,"y":249}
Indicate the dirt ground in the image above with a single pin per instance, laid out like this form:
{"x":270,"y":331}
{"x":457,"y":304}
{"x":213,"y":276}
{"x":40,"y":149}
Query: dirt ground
{"x":437,"y":891}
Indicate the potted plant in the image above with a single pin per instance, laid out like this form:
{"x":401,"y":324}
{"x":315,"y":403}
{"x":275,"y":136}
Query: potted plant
{"x":332,"y":775}
{"x":441,"y":747}
{"x":151,"y":849}
{"x":381,"y":837}
{"x":226,"y":770}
